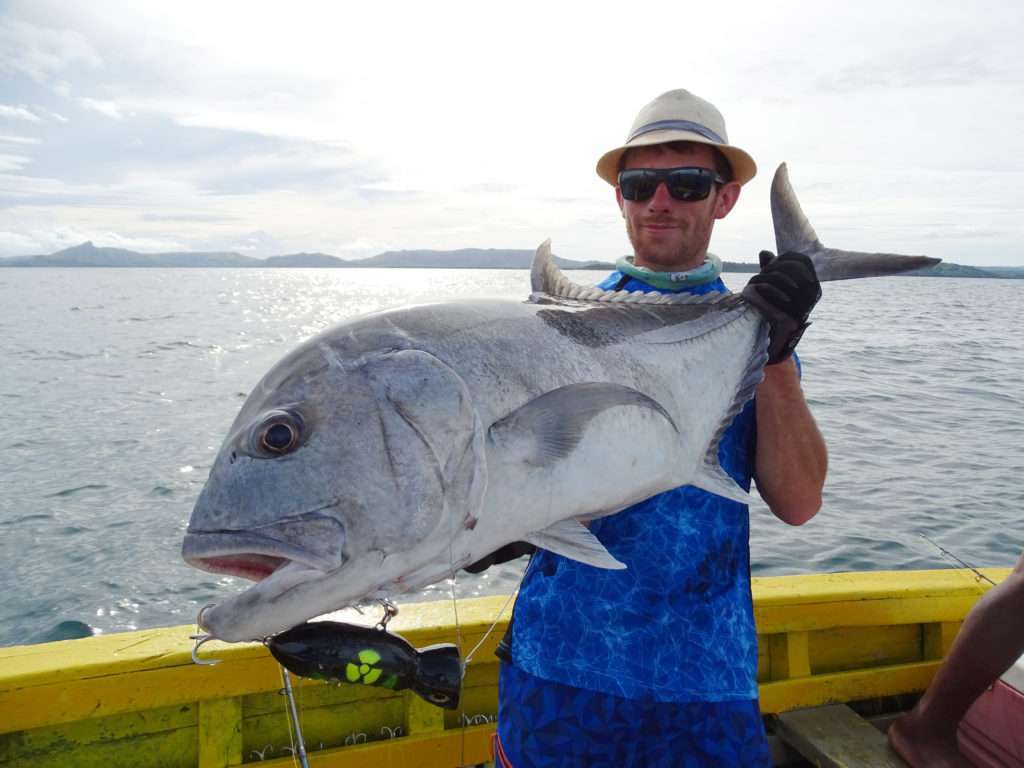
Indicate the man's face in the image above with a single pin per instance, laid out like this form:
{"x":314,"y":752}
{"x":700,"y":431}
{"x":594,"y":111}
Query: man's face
{"x":669,"y":235}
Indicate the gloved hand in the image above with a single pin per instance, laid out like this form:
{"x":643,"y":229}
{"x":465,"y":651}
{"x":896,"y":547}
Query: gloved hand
{"x":502,"y":555}
{"x":785,"y":291}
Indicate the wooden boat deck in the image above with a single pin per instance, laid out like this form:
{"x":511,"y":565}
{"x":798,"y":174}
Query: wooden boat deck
{"x":834,"y":736}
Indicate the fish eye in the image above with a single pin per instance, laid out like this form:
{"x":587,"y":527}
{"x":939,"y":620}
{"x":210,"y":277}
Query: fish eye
{"x":279,"y":433}
{"x":438,"y":698}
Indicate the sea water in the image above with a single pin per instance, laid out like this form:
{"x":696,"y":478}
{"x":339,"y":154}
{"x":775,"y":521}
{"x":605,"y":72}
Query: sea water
{"x":118,"y":385}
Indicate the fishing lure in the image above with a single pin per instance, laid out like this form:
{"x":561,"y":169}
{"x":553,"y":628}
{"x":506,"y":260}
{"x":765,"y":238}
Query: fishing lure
{"x":348,"y":653}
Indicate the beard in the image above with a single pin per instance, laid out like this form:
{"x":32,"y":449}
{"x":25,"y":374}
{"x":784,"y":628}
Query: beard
{"x":679,"y":249}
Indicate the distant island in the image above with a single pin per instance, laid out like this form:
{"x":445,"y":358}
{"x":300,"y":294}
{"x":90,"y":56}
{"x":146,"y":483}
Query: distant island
{"x":88,"y":255}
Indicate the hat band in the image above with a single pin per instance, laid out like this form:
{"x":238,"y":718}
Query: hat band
{"x":680,"y":125}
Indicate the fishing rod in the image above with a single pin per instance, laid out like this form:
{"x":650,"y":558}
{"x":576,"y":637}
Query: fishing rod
{"x":294,"y":716}
{"x":956,"y":559}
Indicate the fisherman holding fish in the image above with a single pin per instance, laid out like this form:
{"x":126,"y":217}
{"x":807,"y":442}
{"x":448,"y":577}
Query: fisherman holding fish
{"x":656,"y":665}
{"x":616,"y":429}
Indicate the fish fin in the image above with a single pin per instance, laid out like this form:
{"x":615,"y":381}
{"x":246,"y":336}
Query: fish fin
{"x":550,"y":426}
{"x":544,"y":273}
{"x":572,"y":539}
{"x":550,"y":285}
{"x":793,"y":232}
{"x":714,"y":479}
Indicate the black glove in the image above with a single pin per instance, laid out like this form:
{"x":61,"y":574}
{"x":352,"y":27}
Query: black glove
{"x":502,"y":555}
{"x":785,"y":291}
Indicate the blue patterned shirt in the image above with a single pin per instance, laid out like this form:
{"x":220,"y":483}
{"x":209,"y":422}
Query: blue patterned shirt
{"x":677,"y":625}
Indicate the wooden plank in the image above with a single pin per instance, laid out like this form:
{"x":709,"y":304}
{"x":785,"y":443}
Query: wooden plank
{"x":800,"y":692}
{"x":171,"y":749}
{"x":835,"y":736}
{"x":844,"y":648}
{"x":788,"y":655}
{"x":825,"y":601}
{"x":468,"y":746}
{"x":874,"y":585}
{"x":81,"y":733}
{"x":937,"y":638}
{"x":323,"y":727}
{"x":220,"y":733}
{"x":421,"y":717}
{"x":54,"y":703}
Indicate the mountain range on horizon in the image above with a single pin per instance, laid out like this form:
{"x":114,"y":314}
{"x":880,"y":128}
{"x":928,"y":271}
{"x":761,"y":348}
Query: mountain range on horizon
{"x":89,"y":255}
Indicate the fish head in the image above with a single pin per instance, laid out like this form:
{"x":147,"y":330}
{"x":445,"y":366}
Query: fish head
{"x":344,"y":472}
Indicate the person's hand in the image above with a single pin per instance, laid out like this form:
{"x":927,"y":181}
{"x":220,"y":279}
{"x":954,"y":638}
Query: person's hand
{"x":502,"y":555}
{"x":785,"y":291}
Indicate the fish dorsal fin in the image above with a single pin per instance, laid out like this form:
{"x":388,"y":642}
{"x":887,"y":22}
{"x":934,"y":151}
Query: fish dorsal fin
{"x":548,"y":282}
{"x":793,"y":232}
{"x":572,"y":539}
{"x":549,"y":427}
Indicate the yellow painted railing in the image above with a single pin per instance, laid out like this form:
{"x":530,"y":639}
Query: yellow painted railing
{"x":136,"y":698}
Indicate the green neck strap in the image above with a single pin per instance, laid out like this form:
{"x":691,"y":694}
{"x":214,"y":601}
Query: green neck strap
{"x":672,"y":281}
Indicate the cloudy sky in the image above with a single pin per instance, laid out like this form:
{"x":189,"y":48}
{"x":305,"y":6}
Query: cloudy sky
{"x":354,"y":128}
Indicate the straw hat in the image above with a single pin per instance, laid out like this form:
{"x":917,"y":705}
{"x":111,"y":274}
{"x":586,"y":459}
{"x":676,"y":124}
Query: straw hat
{"x":678,"y":116}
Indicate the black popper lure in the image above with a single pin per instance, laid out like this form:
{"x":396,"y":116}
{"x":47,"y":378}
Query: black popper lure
{"x":348,"y":653}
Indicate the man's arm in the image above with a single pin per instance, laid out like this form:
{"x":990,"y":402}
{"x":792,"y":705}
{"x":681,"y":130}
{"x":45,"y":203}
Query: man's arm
{"x":791,"y":455}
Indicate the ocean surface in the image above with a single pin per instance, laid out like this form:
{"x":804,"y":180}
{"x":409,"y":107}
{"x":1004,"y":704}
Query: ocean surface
{"x":118,"y":385}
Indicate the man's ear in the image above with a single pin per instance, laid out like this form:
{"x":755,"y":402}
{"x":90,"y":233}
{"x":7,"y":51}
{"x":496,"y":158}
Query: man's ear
{"x":618,"y":199}
{"x":727,"y":196}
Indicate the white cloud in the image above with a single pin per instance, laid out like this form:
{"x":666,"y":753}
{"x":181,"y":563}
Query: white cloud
{"x":484,"y":132}
{"x":49,"y":114}
{"x":13,"y":162}
{"x":41,"y":52}
{"x":18,"y":113}
{"x":108,"y":108}
{"x":9,"y":139}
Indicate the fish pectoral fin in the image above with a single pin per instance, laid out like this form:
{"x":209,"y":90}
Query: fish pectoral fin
{"x":570,"y":538}
{"x":713,"y":479}
{"x":550,"y":426}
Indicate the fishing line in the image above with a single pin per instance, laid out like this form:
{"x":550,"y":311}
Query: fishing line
{"x":497,"y":618}
{"x":463,"y":722}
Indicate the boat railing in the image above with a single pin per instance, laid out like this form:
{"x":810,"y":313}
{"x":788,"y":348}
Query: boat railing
{"x":136,"y":698}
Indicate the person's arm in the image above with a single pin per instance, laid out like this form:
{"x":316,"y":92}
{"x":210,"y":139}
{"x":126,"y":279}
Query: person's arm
{"x":791,"y":455}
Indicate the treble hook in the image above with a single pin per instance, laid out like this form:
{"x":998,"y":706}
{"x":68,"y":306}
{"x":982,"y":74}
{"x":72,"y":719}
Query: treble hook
{"x":202,"y":638}
{"x":390,"y":611}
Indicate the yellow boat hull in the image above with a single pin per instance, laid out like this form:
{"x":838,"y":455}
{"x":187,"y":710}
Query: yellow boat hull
{"x":136,"y":699}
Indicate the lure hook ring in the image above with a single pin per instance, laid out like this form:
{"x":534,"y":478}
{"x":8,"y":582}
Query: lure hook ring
{"x":390,"y":611}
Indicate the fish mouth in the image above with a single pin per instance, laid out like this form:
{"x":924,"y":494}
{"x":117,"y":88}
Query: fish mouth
{"x":312,"y":543}
{"x":248,"y":565}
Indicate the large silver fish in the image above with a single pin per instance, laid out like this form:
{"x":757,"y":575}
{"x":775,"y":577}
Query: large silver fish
{"x":388,"y":452}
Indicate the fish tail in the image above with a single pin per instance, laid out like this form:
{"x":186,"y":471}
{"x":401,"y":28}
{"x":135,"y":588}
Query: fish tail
{"x":439,"y":673}
{"x":793,"y":232}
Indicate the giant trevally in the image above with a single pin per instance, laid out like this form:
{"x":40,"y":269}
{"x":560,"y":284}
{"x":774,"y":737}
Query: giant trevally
{"x":390,"y":451}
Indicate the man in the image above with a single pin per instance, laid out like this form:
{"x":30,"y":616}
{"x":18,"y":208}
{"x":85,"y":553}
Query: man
{"x":991,"y":640}
{"x":656,"y":665}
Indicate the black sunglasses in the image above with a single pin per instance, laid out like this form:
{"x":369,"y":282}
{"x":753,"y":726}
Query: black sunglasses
{"x":688,"y":185}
